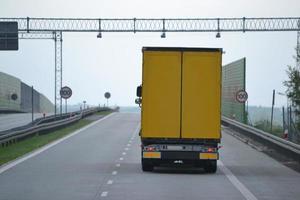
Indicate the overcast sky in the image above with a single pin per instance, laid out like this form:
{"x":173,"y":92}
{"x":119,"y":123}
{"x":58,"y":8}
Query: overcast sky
{"x":93,"y":66}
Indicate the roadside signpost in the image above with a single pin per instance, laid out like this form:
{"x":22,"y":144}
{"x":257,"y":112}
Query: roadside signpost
{"x":107,"y":95}
{"x":241,"y":96}
{"x":84,"y":102}
{"x":14,"y":96}
{"x":65,"y":93}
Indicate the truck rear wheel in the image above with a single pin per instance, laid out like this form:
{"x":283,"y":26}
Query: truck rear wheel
{"x":210,"y":166}
{"x":147,"y":166}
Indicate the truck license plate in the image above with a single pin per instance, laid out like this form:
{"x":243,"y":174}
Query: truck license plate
{"x":174,"y":148}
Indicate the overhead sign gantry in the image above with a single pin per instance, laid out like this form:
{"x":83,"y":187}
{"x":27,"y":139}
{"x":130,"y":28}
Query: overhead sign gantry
{"x":53,"y":28}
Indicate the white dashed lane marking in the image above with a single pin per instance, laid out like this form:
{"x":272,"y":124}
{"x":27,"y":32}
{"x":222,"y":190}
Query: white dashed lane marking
{"x":110,"y":182}
{"x":114,"y":173}
{"x":104,"y":194}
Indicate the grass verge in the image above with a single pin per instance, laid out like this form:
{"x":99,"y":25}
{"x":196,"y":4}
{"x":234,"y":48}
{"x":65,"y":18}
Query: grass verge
{"x":18,"y":149}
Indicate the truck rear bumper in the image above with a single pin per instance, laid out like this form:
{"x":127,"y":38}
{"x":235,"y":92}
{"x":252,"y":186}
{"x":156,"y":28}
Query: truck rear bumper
{"x":180,"y":155}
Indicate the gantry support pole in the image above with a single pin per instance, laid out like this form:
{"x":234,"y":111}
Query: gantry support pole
{"x":58,"y":72}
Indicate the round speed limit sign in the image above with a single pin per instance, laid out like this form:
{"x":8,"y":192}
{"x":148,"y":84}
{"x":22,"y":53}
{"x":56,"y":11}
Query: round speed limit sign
{"x":241,"y":96}
{"x":65,"y":92}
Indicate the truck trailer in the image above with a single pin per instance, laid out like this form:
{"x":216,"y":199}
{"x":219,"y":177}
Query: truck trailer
{"x":180,"y":100}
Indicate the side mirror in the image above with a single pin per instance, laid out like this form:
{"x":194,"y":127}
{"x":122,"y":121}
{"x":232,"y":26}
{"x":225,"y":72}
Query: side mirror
{"x":138,"y":101}
{"x":139,"y":91}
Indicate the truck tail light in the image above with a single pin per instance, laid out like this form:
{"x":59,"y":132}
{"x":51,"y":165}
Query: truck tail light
{"x":210,"y":150}
{"x":150,"y":149}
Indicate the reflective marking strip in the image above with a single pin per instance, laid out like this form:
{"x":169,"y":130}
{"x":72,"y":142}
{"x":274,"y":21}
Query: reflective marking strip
{"x":48,"y":146}
{"x":121,"y":158}
{"x":114,"y":173}
{"x":233,"y":179}
{"x":118,"y":165}
{"x":104,"y":194}
{"x":208,"y":156}
{"x":109,"y":182}
{"x":151,"y":155}
{"x":124,"y":153}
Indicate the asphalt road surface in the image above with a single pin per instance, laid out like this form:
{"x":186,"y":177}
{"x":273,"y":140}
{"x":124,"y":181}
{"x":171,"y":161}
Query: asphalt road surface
{"x":103,"y":162}
{"x":9,"y":121}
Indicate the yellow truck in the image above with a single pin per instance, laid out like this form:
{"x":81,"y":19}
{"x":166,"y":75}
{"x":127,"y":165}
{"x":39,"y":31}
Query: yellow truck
{"x":180,"y":99}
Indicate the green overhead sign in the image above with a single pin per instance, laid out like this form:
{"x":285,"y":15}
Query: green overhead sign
{"x":9,"y":36}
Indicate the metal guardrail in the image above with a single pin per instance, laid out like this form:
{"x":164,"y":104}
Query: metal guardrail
{"x":45,"y":124}
{"x":288,"y":148}
{"x":40,"y":120}
{"x":15,"y":135}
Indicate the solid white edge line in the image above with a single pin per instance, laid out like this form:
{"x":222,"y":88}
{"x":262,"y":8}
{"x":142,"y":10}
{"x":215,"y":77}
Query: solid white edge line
{"x":36,"y":152}
{"x":136,"y":131}
{"x":233,"y":179}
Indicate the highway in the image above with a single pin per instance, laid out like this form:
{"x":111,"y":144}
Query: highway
{"x":102,"y":161}
{"x":8,"y":121}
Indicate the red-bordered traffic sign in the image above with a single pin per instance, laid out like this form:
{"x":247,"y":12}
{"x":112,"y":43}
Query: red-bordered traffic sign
{"x":241,"y":96}
{"x":107,"y":95}
{"x":65,"y":92}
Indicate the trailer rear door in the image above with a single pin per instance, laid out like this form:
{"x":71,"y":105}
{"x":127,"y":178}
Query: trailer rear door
{"x":161,"y":94}
{"x":201,"y":95}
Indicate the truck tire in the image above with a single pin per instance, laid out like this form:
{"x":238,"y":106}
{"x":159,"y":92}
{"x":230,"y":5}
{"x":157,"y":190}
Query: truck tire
{"x":210,"y":166}
{"x":147,"y":166}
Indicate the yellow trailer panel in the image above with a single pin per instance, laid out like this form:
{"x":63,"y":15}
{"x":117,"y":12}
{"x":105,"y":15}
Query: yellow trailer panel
{"x":201,"y":95}
{"x":161,"y":94}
